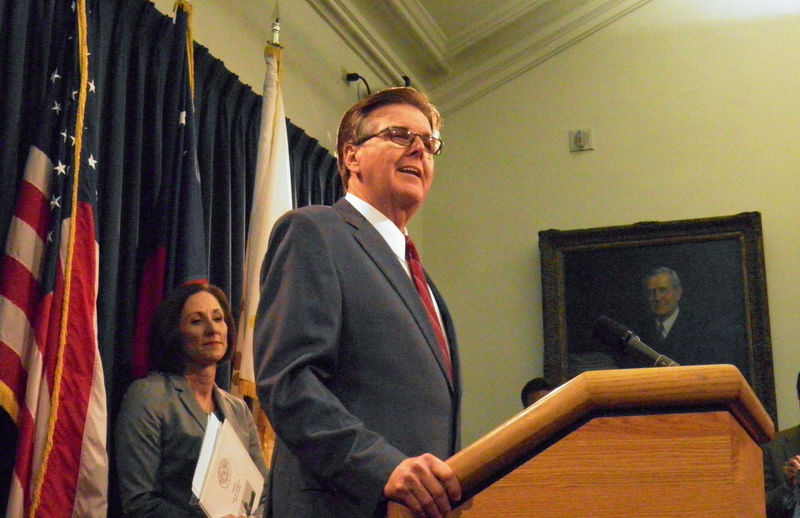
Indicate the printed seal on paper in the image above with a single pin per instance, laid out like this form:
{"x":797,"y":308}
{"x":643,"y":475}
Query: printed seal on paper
{"x":224,"y":473}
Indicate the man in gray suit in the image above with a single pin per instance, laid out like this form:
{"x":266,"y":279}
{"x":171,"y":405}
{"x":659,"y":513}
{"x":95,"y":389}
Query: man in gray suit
{"x":781,"y":464}
{"x":360,"y":381}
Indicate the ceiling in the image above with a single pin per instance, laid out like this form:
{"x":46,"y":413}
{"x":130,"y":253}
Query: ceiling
{"x":458,"y":50}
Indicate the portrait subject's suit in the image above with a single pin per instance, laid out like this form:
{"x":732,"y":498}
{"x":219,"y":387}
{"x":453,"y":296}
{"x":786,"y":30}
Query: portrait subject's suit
{"x":347,"y":365}
{"x":681,"y":343}
{"x":697,"y":340}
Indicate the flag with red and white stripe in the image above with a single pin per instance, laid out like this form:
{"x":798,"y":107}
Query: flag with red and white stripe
{"x":51,"y":376}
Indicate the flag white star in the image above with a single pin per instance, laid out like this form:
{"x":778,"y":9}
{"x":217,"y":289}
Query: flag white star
{"x":50,"y":237}
{"x":61,"y":168}
{"x":64,"y":135}
{"x":92,"y":161}
{"x":56,"y":107}
{"x":55,"y":201}
{"x":91,"y":85}
{"x":182,"y":118}
{"x":55,"y":76}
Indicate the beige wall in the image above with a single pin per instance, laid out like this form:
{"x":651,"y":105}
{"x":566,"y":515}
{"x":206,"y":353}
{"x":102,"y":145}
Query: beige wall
{"x":693,"y":116}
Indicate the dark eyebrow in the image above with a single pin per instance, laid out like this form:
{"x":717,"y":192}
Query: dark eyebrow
{"x":215,"y":311}
{"x":427,"y":134}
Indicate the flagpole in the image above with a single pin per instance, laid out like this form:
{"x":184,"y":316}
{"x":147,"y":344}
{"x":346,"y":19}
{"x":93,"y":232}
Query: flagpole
{"x":55,"y":397}
{"x":272,"y":197}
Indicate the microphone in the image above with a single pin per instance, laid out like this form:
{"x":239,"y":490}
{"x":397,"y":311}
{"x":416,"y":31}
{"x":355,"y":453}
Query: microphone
{"x":614,"y":334}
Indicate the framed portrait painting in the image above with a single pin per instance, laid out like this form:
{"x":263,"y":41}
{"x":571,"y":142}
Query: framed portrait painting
{"x":693,"y":290}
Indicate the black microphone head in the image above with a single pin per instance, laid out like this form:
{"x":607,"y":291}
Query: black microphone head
{"x":610,"y":332}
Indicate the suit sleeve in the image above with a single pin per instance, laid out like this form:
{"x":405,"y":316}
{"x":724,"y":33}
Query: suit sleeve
{"x":773,"y":481}
{"x":138,"y":448}
{"x":297,"y":340}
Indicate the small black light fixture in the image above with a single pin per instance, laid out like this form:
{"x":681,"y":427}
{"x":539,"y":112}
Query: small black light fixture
{"x":353,"y":76}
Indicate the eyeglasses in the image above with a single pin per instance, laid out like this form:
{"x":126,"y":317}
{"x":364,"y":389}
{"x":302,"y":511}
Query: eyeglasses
{"x":405,"y":137}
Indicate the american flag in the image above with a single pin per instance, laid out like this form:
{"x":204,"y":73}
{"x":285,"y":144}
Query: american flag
{"x":177,"y":249}
{"x":51,"y":377}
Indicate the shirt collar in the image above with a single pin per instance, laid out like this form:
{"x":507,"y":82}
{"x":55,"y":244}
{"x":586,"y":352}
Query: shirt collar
{"x":671,"y":320}
{"x":394,"y":237}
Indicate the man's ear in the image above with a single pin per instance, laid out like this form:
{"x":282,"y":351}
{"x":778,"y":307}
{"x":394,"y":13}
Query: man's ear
{"x":351,"y":157}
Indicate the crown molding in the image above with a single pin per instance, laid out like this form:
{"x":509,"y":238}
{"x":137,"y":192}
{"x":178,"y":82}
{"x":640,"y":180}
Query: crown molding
{"x":425,"y":29}
{"x":458,"y":84}
{"x":506,"y":13}
{"x":359,"y":34}
{"x":462,"y":88}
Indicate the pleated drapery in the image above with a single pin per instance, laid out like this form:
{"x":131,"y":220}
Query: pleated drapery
{"x":130,"y":77}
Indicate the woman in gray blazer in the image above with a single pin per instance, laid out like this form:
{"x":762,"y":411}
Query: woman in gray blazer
{"x":163,"y":417}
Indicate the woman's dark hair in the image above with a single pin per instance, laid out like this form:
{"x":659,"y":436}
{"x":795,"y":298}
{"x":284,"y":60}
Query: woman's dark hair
{"x":534,"y":385}
{"x":166,"y":341}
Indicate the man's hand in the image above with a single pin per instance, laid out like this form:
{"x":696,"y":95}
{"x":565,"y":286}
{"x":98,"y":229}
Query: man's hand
{"x":425,"y":485}
{"x":790,"y":470}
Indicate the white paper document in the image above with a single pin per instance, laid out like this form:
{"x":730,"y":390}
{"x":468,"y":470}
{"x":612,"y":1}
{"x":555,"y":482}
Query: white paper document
{"x":226,"y":480}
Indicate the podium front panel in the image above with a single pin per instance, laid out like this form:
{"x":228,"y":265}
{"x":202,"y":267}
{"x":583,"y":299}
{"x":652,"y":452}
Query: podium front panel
{"x":697,"y":464}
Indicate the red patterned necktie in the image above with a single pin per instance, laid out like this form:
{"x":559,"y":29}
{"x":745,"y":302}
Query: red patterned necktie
{"x":418,"y":275}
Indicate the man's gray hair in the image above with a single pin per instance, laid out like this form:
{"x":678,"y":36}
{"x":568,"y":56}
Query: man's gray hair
{"x":674,"y":280}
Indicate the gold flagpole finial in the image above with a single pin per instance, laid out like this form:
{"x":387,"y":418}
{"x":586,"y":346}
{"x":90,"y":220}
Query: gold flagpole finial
{"x":276,"y":33}
{"x":273,"y":46}
{"x":275,"y":40}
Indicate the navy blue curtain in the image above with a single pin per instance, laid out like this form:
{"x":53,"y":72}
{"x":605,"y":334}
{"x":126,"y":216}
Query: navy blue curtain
{"x":130,"y":78}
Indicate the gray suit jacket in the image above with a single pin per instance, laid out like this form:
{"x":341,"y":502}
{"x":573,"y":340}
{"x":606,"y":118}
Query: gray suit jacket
{"x":158,"y":434}
{"x":347,"y":365}
{"x":784,"y":446}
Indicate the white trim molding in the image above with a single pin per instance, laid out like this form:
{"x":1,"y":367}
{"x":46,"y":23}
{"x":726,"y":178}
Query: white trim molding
{"x":454,"y":77}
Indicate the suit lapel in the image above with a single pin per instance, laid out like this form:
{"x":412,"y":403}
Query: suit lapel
{"x":222,"y":403}
{"x":449,"y":331}
{"x":184,"y":391}
{"x":378,"y":250}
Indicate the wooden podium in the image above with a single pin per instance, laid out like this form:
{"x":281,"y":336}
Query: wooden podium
{"x":657,"y":442}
